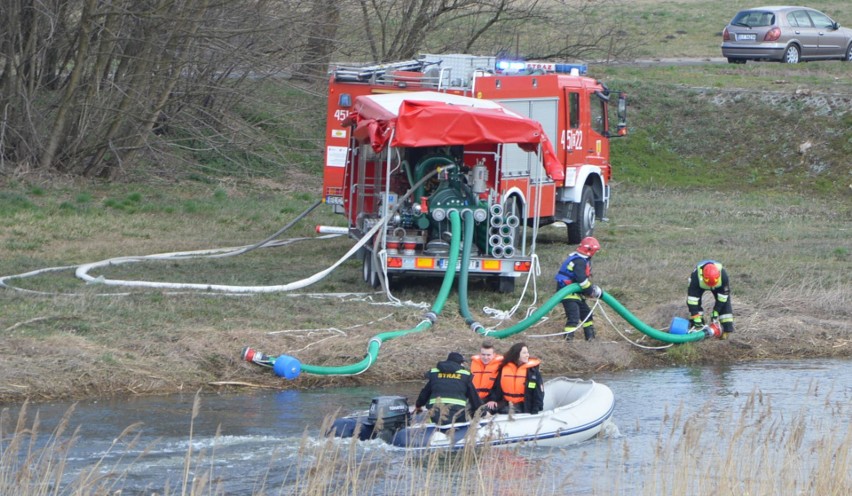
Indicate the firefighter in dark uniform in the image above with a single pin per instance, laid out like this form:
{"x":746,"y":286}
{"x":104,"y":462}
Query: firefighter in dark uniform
{"x":449,"y":391}
{"x":709,"y":275}
{"x":577,"y":268}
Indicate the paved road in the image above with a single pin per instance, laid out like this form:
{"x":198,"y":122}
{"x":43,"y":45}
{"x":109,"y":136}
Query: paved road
{"x":674,"y":61}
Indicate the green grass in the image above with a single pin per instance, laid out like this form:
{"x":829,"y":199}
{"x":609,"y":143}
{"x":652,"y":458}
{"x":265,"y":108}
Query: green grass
{"x":728,"y":135}
{"x":693,"y":28}
{"x":714,"y":167}
{"x":654,"y":236}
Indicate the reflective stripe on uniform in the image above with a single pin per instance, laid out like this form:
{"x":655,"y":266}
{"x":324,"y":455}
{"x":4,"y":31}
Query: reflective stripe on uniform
{"x":448,"y":401}
{"x":726,"y":317}
{"x":722,"y":298}
{"x":692,"y":300}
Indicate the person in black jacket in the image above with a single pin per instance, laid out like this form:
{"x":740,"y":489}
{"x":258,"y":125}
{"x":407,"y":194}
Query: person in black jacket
{"x":709,"y":275}
{"x":449,"y":391}
{"x":519,"y":385}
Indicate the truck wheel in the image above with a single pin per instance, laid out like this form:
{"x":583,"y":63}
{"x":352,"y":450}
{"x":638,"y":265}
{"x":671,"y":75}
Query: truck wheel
{"x":371,"y":277}
{"x":505,"y":284}
{"x":584,"y":219}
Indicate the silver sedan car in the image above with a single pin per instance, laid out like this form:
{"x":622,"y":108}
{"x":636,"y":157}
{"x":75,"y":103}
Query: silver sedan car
{"x":785,"y":34}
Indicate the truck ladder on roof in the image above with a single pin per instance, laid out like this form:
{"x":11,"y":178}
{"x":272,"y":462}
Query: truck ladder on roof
{"x":372,"y":72}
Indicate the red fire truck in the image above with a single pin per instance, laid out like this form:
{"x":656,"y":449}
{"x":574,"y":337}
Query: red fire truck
{"x":375,"y":153}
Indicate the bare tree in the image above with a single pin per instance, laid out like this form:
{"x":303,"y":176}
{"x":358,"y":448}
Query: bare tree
{"x":94,"y":87}
{"x":86,"y":84}
{"x":583,"y":30}
{"x":387,"y":30}
{"x":399,"y":29}
{"x":321,"y":38}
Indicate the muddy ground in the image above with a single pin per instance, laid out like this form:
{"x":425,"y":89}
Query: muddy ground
{"x":69,"y":367}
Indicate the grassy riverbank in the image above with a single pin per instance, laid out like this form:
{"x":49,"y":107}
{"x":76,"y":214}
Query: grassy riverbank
{"x":749,"y":165}
{"x":786,"y":253}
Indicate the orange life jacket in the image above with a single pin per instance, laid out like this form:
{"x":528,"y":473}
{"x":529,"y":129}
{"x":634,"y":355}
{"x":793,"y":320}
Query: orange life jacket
{"x":513,"y":382}
{"x":484,"y":375}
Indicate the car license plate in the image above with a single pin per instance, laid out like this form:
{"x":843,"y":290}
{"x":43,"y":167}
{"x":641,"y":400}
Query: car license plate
{"x":746,"y":37}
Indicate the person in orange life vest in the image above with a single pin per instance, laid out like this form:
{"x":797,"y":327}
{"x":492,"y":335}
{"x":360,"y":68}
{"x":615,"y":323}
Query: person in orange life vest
{"x":449,"y":391}
{"x":577,"y":268}
{"x":484,"y":368}
{"x":519,"y":385}
{"x":709,"y":275}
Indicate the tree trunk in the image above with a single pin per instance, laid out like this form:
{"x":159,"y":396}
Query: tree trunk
{"x":61,"y":122}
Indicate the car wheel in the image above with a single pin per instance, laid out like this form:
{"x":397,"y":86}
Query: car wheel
{"x":791,"y":55}
{"x":848,"y":57}
{"x":736,"y":61}
{"x":584,"y":221}
{"x":371,"y":277}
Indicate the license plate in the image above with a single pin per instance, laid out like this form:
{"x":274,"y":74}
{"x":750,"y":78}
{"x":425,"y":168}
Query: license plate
{"x":746,"y":37}
{"x":443,"y":263}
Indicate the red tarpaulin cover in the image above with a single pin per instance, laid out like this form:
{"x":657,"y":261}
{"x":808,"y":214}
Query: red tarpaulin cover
{"x":447,"y":119}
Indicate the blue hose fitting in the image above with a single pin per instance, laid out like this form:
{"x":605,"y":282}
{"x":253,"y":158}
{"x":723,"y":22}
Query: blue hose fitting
{"x":287,"y":367}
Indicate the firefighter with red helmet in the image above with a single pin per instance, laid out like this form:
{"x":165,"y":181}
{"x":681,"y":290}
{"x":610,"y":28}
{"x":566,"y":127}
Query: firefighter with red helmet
{"x":709,"y":275}
{"x":577,"y":268}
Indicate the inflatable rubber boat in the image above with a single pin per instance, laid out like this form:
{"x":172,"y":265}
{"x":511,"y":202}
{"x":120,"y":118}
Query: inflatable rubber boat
{"x":575,"y":410}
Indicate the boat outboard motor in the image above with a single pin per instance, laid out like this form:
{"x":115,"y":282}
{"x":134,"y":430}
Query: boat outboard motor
{"x":387,"y":415}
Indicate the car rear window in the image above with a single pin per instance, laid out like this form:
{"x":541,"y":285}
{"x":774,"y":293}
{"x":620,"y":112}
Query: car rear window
{"x":754,"y":19}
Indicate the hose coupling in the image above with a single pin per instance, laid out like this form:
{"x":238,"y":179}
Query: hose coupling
{"x":431,"y":317}
{"x":477,"y":327}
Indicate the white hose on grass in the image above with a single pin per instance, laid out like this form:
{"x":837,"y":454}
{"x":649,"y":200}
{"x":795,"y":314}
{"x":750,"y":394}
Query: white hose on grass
{"x":82,"y":271}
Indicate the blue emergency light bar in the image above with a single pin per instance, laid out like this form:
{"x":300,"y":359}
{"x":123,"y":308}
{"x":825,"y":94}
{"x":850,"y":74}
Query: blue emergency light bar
{"x":523,"y":67}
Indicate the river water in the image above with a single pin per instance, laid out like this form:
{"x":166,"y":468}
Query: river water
{"x":261,"y":441}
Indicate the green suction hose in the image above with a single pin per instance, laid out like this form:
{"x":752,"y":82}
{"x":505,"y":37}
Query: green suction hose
{"x":464,"y":309}
{"x":372,"y":353}
{"x":646,"y":329}
{"x":290,"y":367}
{"x":455,"y":231}
{"x":609,"y":300}
{"x":535,"y":317}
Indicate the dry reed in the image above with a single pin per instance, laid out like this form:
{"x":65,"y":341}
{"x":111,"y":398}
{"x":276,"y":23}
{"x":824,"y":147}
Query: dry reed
{"x":757,"y":451}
